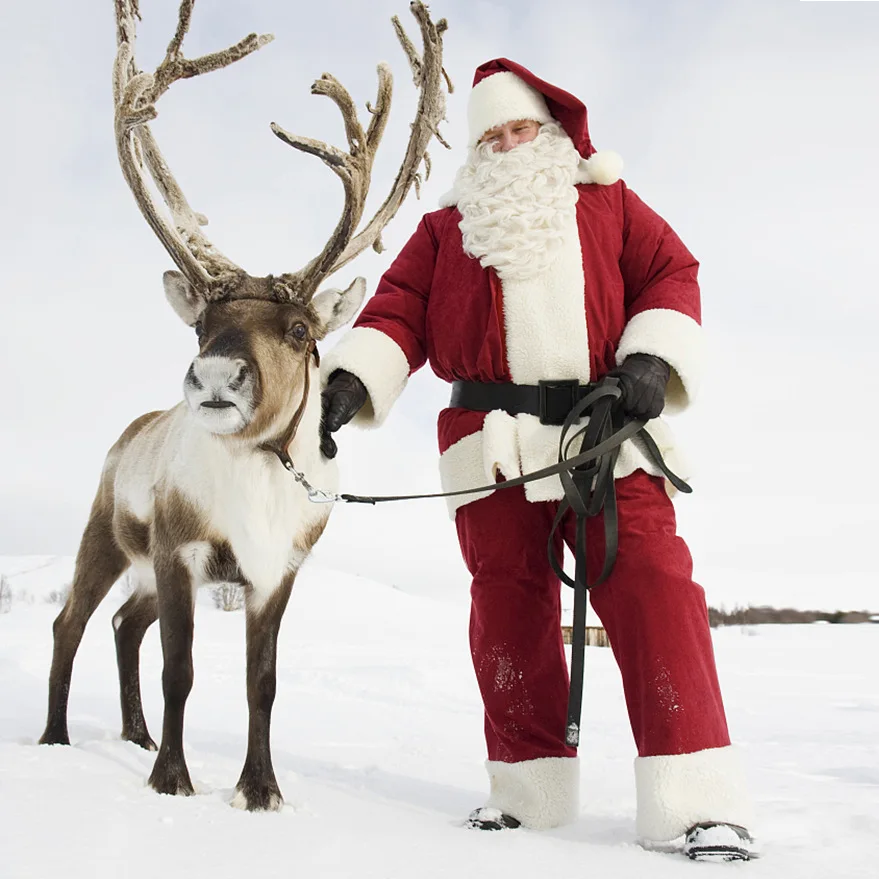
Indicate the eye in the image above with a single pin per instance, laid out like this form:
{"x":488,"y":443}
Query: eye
{"x":199,"y":330}
{"x":298,"y":331}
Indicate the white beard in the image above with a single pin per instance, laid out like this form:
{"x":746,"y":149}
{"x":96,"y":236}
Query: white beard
{"x":517,"y":207}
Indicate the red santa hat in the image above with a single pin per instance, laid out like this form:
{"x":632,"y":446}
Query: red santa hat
{"x":504,"y":91}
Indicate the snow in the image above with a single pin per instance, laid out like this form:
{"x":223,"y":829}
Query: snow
{"x":377,"y":743}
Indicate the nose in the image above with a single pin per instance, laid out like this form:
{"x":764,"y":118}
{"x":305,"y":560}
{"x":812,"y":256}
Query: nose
{"x":506,"y":143}
{"x":240,"y":377}
{"x":217,"y":375}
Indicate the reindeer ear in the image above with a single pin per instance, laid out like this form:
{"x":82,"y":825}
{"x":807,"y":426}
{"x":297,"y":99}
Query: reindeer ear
{"x":182,"y":298}
{"x":336,"y":307}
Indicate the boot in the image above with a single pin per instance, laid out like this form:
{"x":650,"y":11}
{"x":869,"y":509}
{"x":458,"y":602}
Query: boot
{"x":718,"y":842}
{"x":491,"y":819}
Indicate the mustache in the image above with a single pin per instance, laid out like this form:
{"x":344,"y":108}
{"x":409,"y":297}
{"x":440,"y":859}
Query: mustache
{"x":548,"y":161}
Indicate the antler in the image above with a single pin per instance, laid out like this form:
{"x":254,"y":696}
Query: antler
{"x":354,"y":168}
{"x":134,"y":96}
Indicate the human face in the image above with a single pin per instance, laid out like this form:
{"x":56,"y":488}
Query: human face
{"x":509,"y":135}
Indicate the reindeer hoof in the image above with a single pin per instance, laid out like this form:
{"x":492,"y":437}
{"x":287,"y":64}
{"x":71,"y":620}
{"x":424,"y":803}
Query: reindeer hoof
{"x":172,"y":788}
{"x":257,"y":798}
{"x":171,"y":779}
{"x":143,"y":740}
{"x":55,"y":737}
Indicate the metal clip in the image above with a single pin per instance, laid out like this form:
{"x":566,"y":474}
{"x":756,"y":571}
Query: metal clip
{"x":315,"y":495}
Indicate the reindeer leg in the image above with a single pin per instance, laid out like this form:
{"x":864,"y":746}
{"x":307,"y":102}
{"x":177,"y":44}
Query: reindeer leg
{"x":99,"y":563}
{"x":176,"y":605}
{"x":130,"y":624}
{"x":257,"y":788}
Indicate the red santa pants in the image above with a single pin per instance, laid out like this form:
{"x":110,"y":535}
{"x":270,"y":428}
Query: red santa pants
{"x":654,"y":614}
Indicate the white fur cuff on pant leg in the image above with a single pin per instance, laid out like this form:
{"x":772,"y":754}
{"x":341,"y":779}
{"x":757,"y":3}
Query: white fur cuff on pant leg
{"x":540,"y":793}
{"x":680,"y":790}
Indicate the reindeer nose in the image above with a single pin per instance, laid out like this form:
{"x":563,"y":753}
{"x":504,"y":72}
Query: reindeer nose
{"x":240,"y":377}
{"x":192,"y":379}
{"x":216,"y":376}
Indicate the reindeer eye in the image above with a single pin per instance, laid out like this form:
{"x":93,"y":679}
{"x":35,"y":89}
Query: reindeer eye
{"x":199,"y":330}
{"x":299,"y":332}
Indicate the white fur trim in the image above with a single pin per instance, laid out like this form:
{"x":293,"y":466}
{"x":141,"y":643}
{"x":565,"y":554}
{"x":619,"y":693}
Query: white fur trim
{"x":500,"y":446}
{"x":536,"y":445}
{"x":678,"y":340}
{"x":379,"y":362}
{"x":603,"y":167}
{"x":449,"y":199}
{"x":462,"y":466}
{"x":545,"y":318}
{"x":540,"y":793}
{"x":500,"y":98}
{"x":539,"y":447}
{"x":680,"y":790}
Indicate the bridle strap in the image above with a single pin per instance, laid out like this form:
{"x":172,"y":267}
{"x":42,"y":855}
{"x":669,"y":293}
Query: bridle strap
{"x":589,"y":489}
{"x":279,"y":446}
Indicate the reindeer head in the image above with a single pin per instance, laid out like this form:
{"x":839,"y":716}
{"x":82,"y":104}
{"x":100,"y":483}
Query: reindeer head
{"x":257,"y":335}
{"x":252,"y":350}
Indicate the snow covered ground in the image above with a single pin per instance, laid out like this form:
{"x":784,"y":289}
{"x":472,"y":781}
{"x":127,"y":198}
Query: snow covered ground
{"x":378,"y":749}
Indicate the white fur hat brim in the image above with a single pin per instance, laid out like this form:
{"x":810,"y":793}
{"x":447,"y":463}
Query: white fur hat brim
{"x":500,"y":98}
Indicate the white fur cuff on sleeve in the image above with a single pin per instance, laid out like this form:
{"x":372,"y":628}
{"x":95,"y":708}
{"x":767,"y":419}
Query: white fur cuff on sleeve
{"x":379,"y":362}
{"x":677,"y":339}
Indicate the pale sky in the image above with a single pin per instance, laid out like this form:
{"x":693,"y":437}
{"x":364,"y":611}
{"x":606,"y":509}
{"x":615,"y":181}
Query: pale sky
{"x":750,"y":126}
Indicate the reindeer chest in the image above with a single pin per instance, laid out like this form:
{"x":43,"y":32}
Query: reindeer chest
{"x":261,"y":513}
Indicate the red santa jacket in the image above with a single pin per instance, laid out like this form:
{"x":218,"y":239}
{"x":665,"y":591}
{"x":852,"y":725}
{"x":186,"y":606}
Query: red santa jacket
{"x":624,"y":283}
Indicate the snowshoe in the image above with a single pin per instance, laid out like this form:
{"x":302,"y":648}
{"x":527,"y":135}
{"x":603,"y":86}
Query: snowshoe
{"x":718,"y":842}
{"x":491,"y":819}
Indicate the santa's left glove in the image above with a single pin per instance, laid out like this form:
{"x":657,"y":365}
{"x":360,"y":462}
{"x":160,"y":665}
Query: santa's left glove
{"x":643,"y":379}
{"x":343,"y":397}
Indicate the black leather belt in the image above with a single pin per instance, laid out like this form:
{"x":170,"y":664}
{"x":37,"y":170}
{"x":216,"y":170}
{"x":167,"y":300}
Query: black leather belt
{"x":552,"y":401}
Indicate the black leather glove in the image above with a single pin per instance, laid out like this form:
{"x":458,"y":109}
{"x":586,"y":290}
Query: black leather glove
{"x":643,"y":379}
{"x":341,"y":400}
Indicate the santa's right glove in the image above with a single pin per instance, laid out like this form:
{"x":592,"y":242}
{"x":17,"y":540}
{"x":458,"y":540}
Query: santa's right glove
{"x":343,"y":397}
{"x":642,"y":378}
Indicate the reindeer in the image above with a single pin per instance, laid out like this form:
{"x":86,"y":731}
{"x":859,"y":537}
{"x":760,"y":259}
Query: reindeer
{"x":198,"y":494}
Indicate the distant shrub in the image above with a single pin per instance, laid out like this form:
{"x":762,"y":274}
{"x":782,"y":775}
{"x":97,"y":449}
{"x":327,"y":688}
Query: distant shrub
{"x":228,"y":596}
{"x":5,"y":594}
{"x":755,"y":616}
{"x":58,"y":596}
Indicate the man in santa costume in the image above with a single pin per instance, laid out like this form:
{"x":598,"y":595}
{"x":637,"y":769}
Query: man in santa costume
{"x":543,"y":266}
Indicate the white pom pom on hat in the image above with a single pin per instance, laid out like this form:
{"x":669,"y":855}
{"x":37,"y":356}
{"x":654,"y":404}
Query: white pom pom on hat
{"x":603,"y":166}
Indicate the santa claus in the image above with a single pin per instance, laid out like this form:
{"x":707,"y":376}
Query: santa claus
{"x":543,"y":272}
